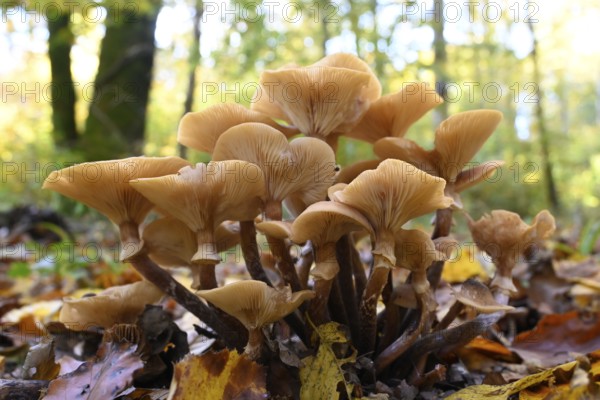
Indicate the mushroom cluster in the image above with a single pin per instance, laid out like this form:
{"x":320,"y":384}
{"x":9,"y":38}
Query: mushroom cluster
{"x":274,"y":171}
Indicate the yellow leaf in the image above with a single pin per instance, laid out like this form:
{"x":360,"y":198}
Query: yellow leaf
{"x":222,"y":375}
{"x":462,"y":267}
{"x":502,"y":392}
{"x":321,"y":374}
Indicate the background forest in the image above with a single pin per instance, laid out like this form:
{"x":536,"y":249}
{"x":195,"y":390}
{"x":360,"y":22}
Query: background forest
{"x":536,"y":61}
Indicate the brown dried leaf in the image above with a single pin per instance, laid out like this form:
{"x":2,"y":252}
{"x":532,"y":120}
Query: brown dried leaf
{"x":222,"y":375}
{"x":106,"y":378}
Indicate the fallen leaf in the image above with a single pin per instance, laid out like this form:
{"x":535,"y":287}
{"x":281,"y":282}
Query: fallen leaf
{"x":556,"y":337}
{"x":322,"y":373}
{"x":222,"y":375}
{"x":102,"y":379}
{"x":493,"y":392}
{"x":39,"y":363}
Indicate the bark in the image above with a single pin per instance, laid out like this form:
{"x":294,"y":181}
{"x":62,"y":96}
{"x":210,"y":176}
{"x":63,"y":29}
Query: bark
{"x":117,"y":113}
{"x":60,"y":41}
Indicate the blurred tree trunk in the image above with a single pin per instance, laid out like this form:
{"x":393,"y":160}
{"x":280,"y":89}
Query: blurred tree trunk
{"x":551,"y":192}
{"x":324,"y":28}
{"x":194,"y":63}
{"x":440,"y":61}
{"x":60,"y":41}
{"x":117,"y":112}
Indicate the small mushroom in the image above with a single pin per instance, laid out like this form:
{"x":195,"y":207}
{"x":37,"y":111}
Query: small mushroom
{"x":475,"y":294}
{"x":203,"y":197}
{"x":200,"y":130}
{"x":457,"y":140}
{"x":255,"y":305}
{"x":321,"y":101}
{"x":116,"y":305}
{"x":393,"y":114}
{"x":104,"y":185}
{"x":171,"y":243}
{"x":324,"y":223}
{"x":504,"y":236}
{"x":388,"y":197}
{"x":350,"y":172}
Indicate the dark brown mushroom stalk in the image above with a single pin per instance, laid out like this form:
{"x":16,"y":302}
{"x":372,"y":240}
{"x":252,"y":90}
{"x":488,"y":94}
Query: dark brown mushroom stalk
{"x":388,"y":197}
{"x":324,"y":223}
{"x":457,"y":140}
{"x":288,"y":171}
{"x":505,"y":237}
{"x":255,"y":305}
{"x":203,"y":197}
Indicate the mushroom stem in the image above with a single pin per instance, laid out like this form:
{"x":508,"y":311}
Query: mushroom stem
{"x":285,"y":264}
{"x":368,"y":306}
{"x":254,"y":347}
{"x":344,"y":252}
{"x":306,"y":260}
{"x":130,"y":239}
{"x":358,"y":271}
{"x":443,"y":224}
{"x":450,"y":316}
{"x":251,"y":253}
{"x":325,"y":272}
{"x":400,"y":345}
{"x":164,"y":281}
{"x":204,"y":276}
{"x":336,"y":304}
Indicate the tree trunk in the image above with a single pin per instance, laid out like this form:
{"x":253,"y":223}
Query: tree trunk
{"x":60,"y":41}
{"x":117,"y":113}
{"x":551,"y":191}
{"x":441,"y":58}
{"x":194,"y":63}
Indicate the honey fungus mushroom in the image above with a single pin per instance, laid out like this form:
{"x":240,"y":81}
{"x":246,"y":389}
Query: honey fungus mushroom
{"x":255,"y":305}
{"x":200,"y":130}
{"x":324,"y":223}
{"x":171,"y":243}
{"x":388,"y":197}
{"x":505,"y":236}
{"x":203,"y":197}
{"x":457,"y":140}
{"x":116,"y":305}
{"x":322,"y":100}
{"x":104,"y":186}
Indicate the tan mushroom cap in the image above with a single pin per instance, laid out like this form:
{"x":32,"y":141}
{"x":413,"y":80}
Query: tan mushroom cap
{"x":318,"y":100}
{"x":472,"y":176}
{"x":393,"y":194}
{"x":104,"y":185}
{"x":200,"y":130}
{"x":350,"y":61}
{"x":303,"y":168}
{"x":171,"y":243}
{"x":254,"y":303}
{"x":415,"y":250}
{"x":205,"y":196}
{"x":275,"y":229}
{"x":335,"y":188}
{"x":474,"y":293}
{"x":116,"y":305}
{"x":505,"y":236}
{"x":457,"y":140}
{"x":393,"y":114}
{"x":350,"y":172}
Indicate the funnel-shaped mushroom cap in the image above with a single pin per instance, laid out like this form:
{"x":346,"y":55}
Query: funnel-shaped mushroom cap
{"x":117,"y":305}
{"x":393,"y":114}
{"x":303,"y":168}
{"x":457,"y":140}
{"x":275,"y":229}
{"x":254,"y":303}
{"x":415,"y":250}
{"x":350,"y":172}
{"x":475,"y":294}
{"x":504,"y":236}
{"x":326,"y":222}
{"x":172,"y":243}
{"x":393,"y":194}
{"x":350,"y":61}
{"x":317,"y":100}
{"x":204,"y":196}
{"x":200,"y":130}
{"x":104,"y":185}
